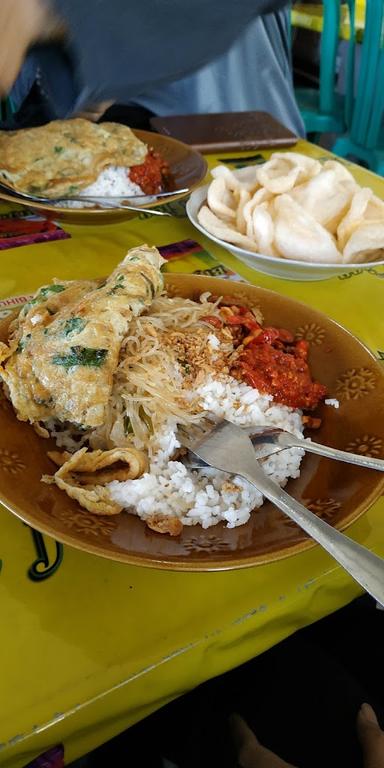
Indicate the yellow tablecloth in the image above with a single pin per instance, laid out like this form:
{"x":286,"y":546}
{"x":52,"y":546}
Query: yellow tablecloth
{"x":99,"y":645}
{"x":310,"y":16}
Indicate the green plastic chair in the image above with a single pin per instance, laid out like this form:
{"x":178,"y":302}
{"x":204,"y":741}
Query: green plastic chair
{"x":7,"y":109}
{"x":364,"y":138}
{"x":323,"y":110}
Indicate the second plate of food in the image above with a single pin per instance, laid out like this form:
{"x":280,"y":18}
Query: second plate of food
{"x":104,"y":159}
{"x":101,"y":469}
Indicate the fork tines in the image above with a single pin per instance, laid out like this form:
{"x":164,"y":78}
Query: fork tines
{"x":194,"y":433}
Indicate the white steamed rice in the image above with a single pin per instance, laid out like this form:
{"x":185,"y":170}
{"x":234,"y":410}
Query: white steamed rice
{"x":208,"y":496}
{"x":113,"y":180}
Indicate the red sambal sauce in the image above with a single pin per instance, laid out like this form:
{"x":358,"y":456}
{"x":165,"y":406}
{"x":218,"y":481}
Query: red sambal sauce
{"x":270,"y":360}
{"x":283,"y":373}
{"x":153,"y":175}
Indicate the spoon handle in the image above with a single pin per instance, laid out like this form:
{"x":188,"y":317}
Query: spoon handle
{"x":334,"y":453}
{"x":362,"y":564}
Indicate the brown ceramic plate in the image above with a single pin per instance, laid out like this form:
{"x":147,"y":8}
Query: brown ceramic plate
{"x":188,"y":168}
{"x":338,"y":492}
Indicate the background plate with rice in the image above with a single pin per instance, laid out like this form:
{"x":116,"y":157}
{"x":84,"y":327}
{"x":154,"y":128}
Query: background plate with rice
{"x":188,"y":168}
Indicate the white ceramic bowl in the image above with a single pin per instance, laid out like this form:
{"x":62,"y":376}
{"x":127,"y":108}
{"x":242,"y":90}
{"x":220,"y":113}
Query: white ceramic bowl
{"x":288,"y":269}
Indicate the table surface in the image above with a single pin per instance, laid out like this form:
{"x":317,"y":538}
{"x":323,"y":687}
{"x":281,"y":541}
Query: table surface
{"x":92,"y":646}
{"x":310,"y":16}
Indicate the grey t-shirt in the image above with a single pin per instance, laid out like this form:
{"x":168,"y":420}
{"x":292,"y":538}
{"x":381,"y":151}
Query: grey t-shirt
{"x":253,"y":74}
{"x":121,"y":48}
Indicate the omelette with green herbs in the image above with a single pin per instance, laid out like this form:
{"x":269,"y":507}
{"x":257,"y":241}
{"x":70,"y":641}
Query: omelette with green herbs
{"x":64,"y":345}
{"x":65,"y":156}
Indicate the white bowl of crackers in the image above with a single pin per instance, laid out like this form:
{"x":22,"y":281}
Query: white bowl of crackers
{"x":292,"y":217}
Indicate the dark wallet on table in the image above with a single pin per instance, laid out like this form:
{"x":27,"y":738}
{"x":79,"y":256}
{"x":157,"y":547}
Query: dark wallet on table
{"x":226,"y":131}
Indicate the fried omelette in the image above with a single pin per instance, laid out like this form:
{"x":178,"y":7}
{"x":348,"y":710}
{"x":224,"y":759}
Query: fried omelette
{"x":65,"y":156}
{"x":64,"y":346}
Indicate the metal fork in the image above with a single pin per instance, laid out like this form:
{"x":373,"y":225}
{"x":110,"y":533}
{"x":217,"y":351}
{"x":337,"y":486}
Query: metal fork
{"x":227,"y":447}
{"x":108,"y":201}
{"x":269,"y":440}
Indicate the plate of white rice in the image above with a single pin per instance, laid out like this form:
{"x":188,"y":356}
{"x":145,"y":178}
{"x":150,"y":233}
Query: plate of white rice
{"x":208,"y":497}
{"x":225,"y":523}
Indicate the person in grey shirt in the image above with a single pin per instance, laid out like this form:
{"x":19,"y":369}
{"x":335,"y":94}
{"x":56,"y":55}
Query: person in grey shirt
{"x":253,"y":74}
{"x":119,"y":49}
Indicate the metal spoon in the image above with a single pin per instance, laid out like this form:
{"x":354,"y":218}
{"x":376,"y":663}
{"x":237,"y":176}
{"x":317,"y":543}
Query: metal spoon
{"x":269,"y":440}
{"x":211,"y":443}
{"x":118,"y":207}
{"x":108,"y":201}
